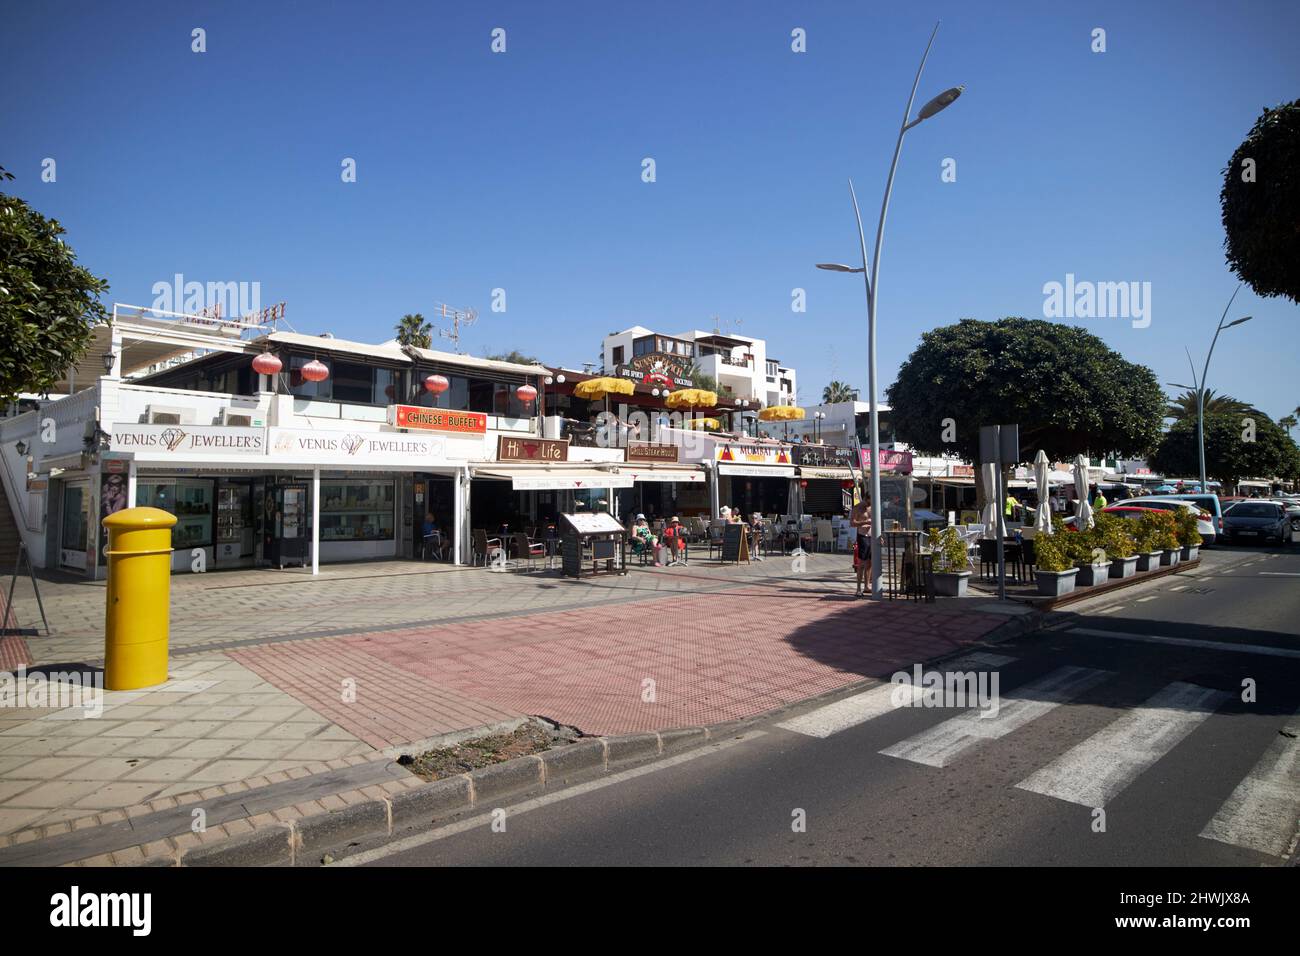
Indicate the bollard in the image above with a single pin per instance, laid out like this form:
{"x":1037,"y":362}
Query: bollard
{"x":139,"y":586}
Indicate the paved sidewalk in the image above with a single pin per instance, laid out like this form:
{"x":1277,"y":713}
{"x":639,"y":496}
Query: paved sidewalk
{"x":653,"y":650}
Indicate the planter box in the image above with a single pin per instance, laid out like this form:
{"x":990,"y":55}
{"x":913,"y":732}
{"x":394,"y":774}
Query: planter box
{"x":1169,"y":557}
{"x":1149,"y":560}
{"x":1055,"y":583}
{"x":1123,"y":567}
{"x":1191,"y":552}
{"x":1091,"y":575}
{"x":951,"y":583}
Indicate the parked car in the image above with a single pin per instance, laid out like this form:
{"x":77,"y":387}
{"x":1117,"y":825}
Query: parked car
{"x":1209,"y":504}
{"x":1292,"y":509}
{"x":1256,"y":521}
{"x":1205,"y":519}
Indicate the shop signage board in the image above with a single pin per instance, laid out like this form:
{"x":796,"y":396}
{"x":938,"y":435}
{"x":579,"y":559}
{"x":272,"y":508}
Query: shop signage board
{"x":894,"y":462}
{"x":437,"y":419}
{"x":532,"y":449}
{"x":753,"y":454}
{"x":756,"y":471}
{"x":346,"y":449}
{"x":166,"y":441}
{"x":826,"y":456}
{"x":560,"y":482}
{"x":640,"y":451}
{"x":658,"y":368}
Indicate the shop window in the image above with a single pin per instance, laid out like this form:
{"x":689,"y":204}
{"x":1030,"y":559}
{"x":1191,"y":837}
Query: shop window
{"x":189,"y":499}
{"x":302,"y":388}
{"x":353,"y":383}
{"x":356,"y":510}
{"x":618,"y":355}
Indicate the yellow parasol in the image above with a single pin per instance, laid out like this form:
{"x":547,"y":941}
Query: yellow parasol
{"x":781,"y":413}
{"x":708,"y":424}
{"x":602,"y":387}
{"x":692,"y":398}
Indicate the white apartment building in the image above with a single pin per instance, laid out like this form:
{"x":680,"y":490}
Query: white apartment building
{"x":740,"y":364}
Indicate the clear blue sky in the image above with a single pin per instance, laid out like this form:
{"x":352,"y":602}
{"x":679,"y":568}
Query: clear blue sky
{"x":523,"y":170}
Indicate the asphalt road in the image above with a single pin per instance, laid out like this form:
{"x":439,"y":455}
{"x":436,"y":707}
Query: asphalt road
{"x":1128,"y":747}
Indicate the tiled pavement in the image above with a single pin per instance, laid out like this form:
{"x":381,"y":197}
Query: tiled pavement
{"x":415,"y":655}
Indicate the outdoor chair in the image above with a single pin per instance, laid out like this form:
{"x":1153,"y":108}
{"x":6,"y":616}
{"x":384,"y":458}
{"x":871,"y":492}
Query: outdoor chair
{"x":715,"y":537}
{"x":988,"y":558}
{"x":484,"y":547}
{"x":825,"y":536}
{"x":526,"y":549}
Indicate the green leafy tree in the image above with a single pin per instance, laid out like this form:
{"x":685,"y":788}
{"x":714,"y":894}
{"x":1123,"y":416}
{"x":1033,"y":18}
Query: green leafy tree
{"x":1068,"y":391}
{"x":514,"y":355}
{"x":1229,"y":452}
{"x":1260,"y":202}
{"x":1184,"y":406}
{"x":701,"y":380}
{"x":414,"y":331}
{"x":49,"y":305}
{"x":837,"y":392}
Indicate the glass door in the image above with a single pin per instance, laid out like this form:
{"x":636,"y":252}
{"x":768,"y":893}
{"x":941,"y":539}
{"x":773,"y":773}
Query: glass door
{"x":75,"y":535}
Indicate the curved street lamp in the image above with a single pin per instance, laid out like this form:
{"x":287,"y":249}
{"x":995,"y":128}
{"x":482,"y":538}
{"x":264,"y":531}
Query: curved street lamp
{"x":872,"y":281}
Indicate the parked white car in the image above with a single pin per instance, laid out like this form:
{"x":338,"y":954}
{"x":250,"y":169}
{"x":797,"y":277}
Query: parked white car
{"x":1205,"y":523}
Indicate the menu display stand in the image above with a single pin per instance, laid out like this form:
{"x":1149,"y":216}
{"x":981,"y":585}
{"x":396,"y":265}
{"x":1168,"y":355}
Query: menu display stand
{"x":735,"y":543}
{"x":599,"y":534}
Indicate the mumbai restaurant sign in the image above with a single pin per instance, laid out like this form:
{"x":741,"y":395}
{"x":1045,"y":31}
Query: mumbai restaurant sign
{"x":437,"y":419}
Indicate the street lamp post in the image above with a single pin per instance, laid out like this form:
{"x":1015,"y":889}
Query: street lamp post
{"x":872,"y":280}
{"x":1199,"y":386}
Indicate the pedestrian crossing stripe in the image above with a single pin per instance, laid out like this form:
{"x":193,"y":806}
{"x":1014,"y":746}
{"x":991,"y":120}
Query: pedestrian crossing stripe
{"x":849,"y":712}
{"x":1262,"y":811}
{"x":942,"y":744}
{"x":1094,"y":771}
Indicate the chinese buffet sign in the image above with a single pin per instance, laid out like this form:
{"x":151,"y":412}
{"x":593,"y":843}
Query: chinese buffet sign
{"x":437,"y":419}
{"x":899,"y":462}
{"x":830,"y":456}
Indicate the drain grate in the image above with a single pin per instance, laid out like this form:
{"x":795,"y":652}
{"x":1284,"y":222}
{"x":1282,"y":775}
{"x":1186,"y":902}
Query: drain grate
{"x":1198,"y":590}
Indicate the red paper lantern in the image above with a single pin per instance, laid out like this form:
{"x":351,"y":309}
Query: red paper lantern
{"x":315,"y":371}
{"x":846,"y":484}
{"x":267,"y":364}
{"x":526,"y":393}
{"x":803,"y":484}
{"x":437,"y":384}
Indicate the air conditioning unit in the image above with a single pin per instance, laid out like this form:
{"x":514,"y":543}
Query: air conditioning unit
{"x":236,"y":417}
{"x":169,"y":415}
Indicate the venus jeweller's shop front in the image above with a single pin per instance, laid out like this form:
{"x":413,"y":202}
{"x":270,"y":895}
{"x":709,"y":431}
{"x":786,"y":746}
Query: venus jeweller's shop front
{"x":245,"y":497}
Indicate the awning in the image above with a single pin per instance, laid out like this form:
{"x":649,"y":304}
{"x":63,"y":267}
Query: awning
{"x":833,"y":474}
{"x":757,"y":471}
{"x":684,"y":473}
{"x":554,"y":479}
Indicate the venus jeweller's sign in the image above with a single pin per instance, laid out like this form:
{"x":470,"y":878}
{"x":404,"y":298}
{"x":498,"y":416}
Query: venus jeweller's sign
{"x":341,"y":448}
{"x":437,"y":419}
{"x":178,"y":440}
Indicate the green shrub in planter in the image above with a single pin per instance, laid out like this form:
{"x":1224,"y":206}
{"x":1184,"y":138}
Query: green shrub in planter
{"x":950,"y":555}
{"x":1188,"y":535}
{"x":1115,"y":537}
{"x":1054,"y":552}
{"x":1157,"y":531}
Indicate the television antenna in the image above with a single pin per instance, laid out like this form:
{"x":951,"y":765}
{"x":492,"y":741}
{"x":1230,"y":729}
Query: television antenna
{"x":458,"y":318}
{"x":719,"y":323}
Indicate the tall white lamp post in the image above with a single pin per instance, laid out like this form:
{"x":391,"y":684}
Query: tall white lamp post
{"x":872,"y":280}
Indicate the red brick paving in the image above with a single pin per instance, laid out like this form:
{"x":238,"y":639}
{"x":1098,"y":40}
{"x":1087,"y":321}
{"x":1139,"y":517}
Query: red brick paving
{"x":13,"y":652}
{"x":710,"y":658}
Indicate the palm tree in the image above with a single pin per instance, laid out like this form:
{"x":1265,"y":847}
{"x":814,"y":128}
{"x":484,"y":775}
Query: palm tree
{"x":837,"y":392}
{"x":700,"y":380}
{"x":1289,"y":422}
{"x":414,"y":331}
{"x":1184,"y":406}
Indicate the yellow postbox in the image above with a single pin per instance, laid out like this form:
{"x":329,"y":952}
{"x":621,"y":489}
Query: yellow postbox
{"x":139,"y":584}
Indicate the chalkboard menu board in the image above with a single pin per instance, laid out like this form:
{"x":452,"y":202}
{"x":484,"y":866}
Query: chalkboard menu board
{"x":735,"y":543}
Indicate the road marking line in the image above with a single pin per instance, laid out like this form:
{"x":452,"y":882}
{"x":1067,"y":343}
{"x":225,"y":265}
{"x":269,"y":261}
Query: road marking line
{"x":1094,"y":771}
{"x":849,"y":712}
{"x":1181,"y":587}
{"x":1108,"y":610}
{"x":1279,"y":574}
{"x":1261,"y":812}
{"x":941,"y":745}
{"x":1150,"y":597}
{"x":1187,"y":642}
{"x":484,"y":819}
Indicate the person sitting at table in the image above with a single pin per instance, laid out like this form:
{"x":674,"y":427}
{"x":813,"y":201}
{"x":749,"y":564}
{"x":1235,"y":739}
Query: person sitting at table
{"x":642,"y":536}
{"x":675,"y":537}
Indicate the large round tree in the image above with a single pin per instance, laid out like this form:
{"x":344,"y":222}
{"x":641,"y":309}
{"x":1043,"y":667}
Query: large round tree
{"x":1261,"y":205}
{"x":48,"y":303}
{"x":1066,"y":389}
{"x":1236,"y":446}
